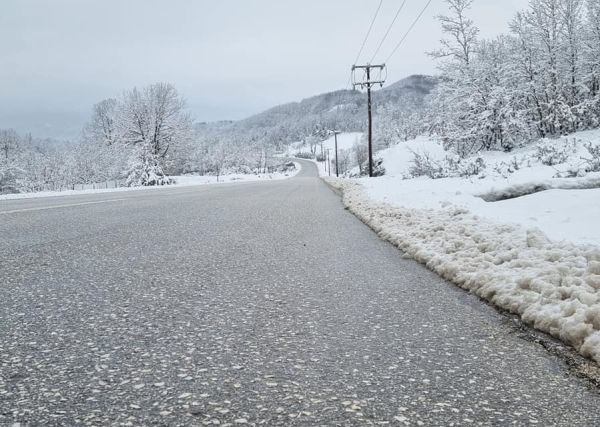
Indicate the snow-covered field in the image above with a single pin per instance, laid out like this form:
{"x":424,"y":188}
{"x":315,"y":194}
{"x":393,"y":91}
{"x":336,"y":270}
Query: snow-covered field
{"x":569,"y":210}
{"x":345,"y":141}
{"x":537,"y":255}
{"x":181,"y":181}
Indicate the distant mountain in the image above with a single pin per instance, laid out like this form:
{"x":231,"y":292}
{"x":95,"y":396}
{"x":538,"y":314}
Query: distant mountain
{"x":414,"y":88}
{"x":55,"y":125}
{"x":344,"y":110}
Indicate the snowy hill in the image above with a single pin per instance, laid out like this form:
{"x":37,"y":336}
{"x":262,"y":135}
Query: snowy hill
{"x":414,"y":88}
{"x":344,"y":110}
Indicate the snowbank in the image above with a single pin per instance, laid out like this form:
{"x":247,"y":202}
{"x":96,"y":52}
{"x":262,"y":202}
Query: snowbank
{"x":181,"y":181}
{"x":513,"y":234}
{"x":554,"y":286}
{"x":568,"y":209}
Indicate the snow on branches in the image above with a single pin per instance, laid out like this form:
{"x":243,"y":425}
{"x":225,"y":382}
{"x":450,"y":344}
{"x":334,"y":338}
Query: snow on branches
{"x":542,"y":80}
{"x":146,"y":124}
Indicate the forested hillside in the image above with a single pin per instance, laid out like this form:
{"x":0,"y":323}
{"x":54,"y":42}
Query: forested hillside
{"x":344,"y":110}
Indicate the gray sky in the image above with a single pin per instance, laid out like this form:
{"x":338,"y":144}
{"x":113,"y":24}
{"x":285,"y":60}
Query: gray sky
{"x":228,"y":58}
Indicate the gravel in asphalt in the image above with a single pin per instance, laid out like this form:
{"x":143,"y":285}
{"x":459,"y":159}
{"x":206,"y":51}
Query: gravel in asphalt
{"x":256,"y":303}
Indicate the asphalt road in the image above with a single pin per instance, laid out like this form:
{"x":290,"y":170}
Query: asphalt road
{"x":260,"y":303}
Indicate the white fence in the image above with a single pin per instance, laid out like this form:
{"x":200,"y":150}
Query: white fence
{"x":99,"y":185}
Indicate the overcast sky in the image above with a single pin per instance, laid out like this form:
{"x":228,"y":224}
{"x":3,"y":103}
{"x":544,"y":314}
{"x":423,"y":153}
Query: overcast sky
{"x":228,"y":58}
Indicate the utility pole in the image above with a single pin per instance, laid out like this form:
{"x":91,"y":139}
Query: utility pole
{"x":335,"y":134}
{"x":328,"y":162}
{"x":368,"y":83}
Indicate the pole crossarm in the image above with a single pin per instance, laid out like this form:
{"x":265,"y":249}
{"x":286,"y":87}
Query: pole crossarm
{"x":380,"y":66}
{"x":373,"y":83}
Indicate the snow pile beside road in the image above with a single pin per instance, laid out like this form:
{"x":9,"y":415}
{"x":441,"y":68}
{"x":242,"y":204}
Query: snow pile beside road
{"x":554,"y":286}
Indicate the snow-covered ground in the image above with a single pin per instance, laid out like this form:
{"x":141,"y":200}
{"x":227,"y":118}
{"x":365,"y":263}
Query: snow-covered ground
{"x":563,"y":212}
{"x":345,"y":141}
{"x":537,"y":255}
{"x":181,"y":181}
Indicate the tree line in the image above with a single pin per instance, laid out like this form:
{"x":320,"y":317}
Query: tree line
{"x":540,"y":80}
{"x":140,"y":138}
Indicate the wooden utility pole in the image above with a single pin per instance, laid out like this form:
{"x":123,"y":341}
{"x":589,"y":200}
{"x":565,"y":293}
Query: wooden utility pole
{"x":368,"y":83}
{"x":335,"y":134}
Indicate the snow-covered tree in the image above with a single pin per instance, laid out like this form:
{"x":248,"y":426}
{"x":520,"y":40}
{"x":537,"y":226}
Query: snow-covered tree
{"x":101,"y":129}
{"x":152,"y":120}
{"x":542,"y":80}
{"x":9,"y":143}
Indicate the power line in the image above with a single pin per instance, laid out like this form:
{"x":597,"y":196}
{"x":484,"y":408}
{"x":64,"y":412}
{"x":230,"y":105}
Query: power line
{"x":368,"y":32}
{"x":388,"y":30}
{"x":408,"y":31}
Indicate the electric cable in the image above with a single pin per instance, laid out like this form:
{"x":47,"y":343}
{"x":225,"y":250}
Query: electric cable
{"x":387,"y":33}
{"x":408,"y":31}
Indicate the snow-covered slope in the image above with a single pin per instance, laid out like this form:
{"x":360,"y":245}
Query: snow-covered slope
{"x":345,"y":110}
{"x":560,"y":213}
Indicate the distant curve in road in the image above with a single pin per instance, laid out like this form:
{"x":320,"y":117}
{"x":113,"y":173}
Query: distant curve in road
{"x":250,"y":303}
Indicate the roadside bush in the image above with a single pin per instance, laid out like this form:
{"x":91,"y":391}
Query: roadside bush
{"x":378,"y":169}
{"x":286,"y":167}
{"x":424,"y":165}
{"x":471,"y":166}
{"x":550,"y":154}
{"x":593,"y":163}
{"x":505,"y":169}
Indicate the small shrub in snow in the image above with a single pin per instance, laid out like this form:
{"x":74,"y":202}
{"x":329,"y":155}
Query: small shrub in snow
{"x":505,"y":169}
{"x":286,"y":167}
{"x":145,"y":169}
{"x":465,"y":167}
{"x":424,"y":165}
{"x":9,"y":179}
{"x":580,"y":167}
{"x":321,"y":157}
{"x":240,"y":169}
{"x":378,"y":169}
{"x":304,"y":155}
{"x":572,"y":169}
{"x":550,"y":154}
{"x":593,"y":163}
